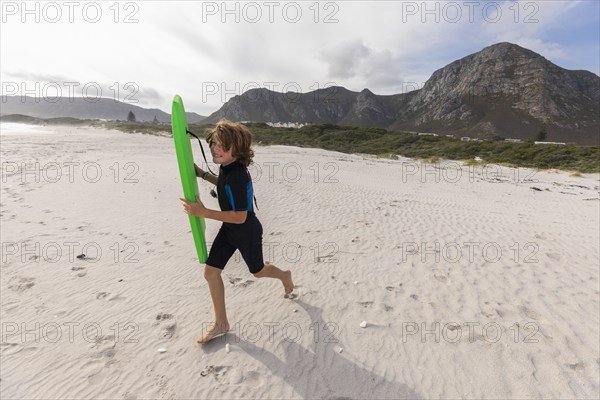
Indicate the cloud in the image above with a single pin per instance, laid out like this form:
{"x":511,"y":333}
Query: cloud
{"x":344,"y":60}
{"x":382,"y":72}
{"x":360,"y":66}
{"x":37,"y":77}
{"x":194,"y":36}
{"x":374,"y":45}
{"x":52,"y":86}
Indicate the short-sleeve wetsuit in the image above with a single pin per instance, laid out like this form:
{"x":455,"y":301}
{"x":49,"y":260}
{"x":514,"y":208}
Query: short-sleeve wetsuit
{"x":235,"y":193}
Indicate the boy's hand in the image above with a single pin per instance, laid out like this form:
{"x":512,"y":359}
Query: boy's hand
{"x":196,"y":209}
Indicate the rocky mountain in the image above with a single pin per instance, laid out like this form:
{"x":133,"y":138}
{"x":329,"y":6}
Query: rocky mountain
{"x":78,"y":107}
{"x":502,"y":90}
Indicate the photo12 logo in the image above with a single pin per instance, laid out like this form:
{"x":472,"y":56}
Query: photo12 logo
{"x":52,"y":92}
{"x":290,"y":331}
{"x":291,"y":91}
{"x":69,"y":252}
{"x":53,"y":12}
{"x":253,"y":12}
{"x":71,"y":171}
{"x":292,"y":172}
{"x":454,"y":172}
{"x":469,"y":332}
{"x":470,"y":11}
{"x":71,"y":331}
{"x":453,"y":252}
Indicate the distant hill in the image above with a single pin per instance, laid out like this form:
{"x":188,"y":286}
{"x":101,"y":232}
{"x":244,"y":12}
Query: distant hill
{"x":81,"y":108}
{"x":502,"y":90}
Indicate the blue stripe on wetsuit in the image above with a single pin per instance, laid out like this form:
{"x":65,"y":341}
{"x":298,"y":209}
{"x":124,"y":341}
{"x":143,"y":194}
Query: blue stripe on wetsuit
{"x":248,"y":197}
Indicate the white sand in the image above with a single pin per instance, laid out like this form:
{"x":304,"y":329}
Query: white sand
{"x":75,"y":328}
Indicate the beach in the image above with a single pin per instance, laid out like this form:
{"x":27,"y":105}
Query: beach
{"x":474,"y":281}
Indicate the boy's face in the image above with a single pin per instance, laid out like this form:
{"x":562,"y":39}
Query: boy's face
{"x":220,"y":155}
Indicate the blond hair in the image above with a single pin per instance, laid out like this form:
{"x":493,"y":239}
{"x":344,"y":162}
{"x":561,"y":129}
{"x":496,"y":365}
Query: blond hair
{"x":234,"y":136}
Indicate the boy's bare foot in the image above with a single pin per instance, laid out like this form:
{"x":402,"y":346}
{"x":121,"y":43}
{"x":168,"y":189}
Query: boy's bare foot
{"x":214,"y":331}
{"x":288,"y":285}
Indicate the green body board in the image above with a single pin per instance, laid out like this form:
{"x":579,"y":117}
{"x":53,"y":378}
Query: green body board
{"x":185,"y":159}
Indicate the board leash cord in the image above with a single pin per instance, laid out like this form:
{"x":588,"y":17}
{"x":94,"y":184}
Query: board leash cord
{"x":201,"y":148}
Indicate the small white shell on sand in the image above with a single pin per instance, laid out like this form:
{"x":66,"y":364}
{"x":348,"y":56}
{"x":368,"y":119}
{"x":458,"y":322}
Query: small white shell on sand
{"x":363,"y":324}
{"x":227,"y":348}
{"x":162,"y":350}
{"x":339,"y":349}
{"x":356,"y":282}
{"x":295,"y":310}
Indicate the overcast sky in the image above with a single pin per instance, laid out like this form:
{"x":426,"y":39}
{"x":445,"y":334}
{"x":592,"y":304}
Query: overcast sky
{"x":145,"y":52}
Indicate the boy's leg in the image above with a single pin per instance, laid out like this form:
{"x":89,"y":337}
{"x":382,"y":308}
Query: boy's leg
{"x":271,"y":271}
{"x":217,"y":293}
{"x":252,"y":254}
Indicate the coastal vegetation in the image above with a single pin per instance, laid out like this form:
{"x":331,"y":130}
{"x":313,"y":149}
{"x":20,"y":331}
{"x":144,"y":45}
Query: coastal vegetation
{"x":381,"y":142}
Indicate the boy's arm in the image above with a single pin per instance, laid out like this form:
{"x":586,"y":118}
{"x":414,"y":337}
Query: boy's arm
{"x":211,"y":178}
{"x":198,"y":209}
{"x":233,"y":217}
{"x":207,"y":175}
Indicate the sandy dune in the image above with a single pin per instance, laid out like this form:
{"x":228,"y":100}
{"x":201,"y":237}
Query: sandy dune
{"x":474,"y":282}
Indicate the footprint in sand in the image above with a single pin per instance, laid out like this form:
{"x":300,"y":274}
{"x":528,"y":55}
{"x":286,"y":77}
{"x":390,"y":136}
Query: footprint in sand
{"x":107,"y":341}
{"x":117,"y":297}
{"x":106,"y":350}
{"x":168,"y":324}
{"x":253,"y":378}
{"x":233,"y":280}
{"x":21,"y":284}
{"x":238,"y":281}
{"x":554,"y":256}
{"x":9,"y":349}
{"x":580,"y":366}
{"x":395,"y":289}
{"x":529,"y":313}
{"x":165,"y":391}
{"x":129,"y":396}
{"x":216,"y":371}
{"x":235,"y":377}
{"x":97,"y":377}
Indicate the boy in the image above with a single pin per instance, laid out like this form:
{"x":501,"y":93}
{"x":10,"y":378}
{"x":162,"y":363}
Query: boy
{"x":230,"y":146}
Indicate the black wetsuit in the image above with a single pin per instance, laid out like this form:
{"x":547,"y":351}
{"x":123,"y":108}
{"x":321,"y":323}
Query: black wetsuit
{"x":235,"y":192}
